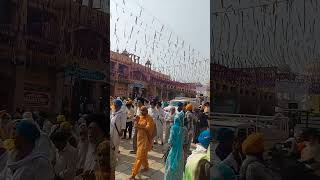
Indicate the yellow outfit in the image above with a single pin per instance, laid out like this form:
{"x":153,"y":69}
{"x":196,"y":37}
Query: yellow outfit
{"x":61,"y":119}
{"x":8,"y":144}
{"x":66,"y":126}
{"x":143,"y":143}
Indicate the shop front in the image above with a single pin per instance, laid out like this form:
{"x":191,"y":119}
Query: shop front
{"x":85,"y":90}
{"x":136,"y":89}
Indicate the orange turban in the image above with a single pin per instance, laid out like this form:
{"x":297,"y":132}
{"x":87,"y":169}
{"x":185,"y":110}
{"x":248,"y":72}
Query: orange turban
{"x":254,"y":144}
{"x":189,"y":107}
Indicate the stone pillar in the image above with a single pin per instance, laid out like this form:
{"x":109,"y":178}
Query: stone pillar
{"x":18,"y":98}
{"x":96,"y":95}
{"x":59,"y":93}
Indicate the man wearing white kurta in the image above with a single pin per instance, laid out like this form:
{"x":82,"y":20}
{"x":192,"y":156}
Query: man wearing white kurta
{"x":66,"y":164}
{"x":137,"y":114}
{"x":117,"y":125}
{"x":154,"y":113}
{"x":169,"y":122}
{"x":160,"y":122}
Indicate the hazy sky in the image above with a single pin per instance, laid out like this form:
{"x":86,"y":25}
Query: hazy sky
{"x":173,"y":34}
{"x":188,"y":18}
{"x":272,"y":36}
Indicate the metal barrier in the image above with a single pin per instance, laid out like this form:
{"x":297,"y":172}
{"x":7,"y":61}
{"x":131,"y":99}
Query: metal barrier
{"x":281,"y":123}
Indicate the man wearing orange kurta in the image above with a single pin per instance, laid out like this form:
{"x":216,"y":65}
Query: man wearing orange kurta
{"x":145,"y":127}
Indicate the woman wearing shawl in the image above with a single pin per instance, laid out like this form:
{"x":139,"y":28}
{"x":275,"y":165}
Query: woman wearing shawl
{"x":25,"y":162}
{"x":191,"y":170}
{"x":145,"y":127}
{"x":174,"y":163}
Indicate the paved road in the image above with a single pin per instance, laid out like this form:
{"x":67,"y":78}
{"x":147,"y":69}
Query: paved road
{"x":126,"y":160}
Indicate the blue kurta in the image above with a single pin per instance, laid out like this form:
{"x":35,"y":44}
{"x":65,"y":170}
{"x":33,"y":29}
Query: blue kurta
{"x":175,"y":164}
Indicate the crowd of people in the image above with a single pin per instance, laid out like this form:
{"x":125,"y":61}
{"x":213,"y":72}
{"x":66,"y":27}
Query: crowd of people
{"x":220,"y":154}
{"x":32,"y":147}
{"x":35,"y":147}
{"x":154,"y":122}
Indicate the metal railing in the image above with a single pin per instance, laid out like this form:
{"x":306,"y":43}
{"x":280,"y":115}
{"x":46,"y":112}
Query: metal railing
{"x":281,"y":123}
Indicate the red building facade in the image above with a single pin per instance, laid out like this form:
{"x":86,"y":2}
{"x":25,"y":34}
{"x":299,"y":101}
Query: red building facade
{"x":129,"y":78}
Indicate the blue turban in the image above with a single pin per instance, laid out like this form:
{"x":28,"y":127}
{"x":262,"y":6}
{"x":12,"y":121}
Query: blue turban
{"x":180,"y":104}
{"x":28,"y":130}
{"x":205,"y":138}
{"x":118,"y":103}
{"x":225,"y":134}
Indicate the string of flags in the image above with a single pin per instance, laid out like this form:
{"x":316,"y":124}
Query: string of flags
{"x":139,"y":32}
{"x":278,"y":33}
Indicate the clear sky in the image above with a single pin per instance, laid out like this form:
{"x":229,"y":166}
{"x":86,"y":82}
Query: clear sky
{"x":188,"y":18}
{"x":173,"y":34}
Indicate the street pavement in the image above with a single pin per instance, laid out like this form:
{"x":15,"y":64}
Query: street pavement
{"x":126,"y":160}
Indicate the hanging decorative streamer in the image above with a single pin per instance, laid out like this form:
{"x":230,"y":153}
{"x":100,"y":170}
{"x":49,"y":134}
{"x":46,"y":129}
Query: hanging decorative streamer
{"x":163,"y":55}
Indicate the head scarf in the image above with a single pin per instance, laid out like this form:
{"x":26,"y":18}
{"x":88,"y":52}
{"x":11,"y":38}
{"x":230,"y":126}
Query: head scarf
{"x":225,"y":135}
{"x":205,"y":138}
{"x":66,"y":126}
{"x":28,"y":130}
{"x":61,"y":119}
{"x":8,"y":144}
{"x":178,"y":119}
{"x":118,"y":103}
{"x":189,"y":107}
{"x":254,"y":144}
{"x":176,"y":140}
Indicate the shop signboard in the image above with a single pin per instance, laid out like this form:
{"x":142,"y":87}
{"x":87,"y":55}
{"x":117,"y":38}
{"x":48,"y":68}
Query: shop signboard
{"x":36,"y":99}
{"x":85,"y":74}
{"x":136,"y":85}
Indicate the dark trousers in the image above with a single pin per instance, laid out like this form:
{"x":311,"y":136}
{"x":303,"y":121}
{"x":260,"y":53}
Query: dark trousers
{"x":128,"y":129}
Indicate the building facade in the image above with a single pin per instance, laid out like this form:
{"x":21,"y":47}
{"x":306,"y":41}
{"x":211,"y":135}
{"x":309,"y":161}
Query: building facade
{"x":53,"y":56}
{"x":130,"y":78}
{"x":243,"y":90}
